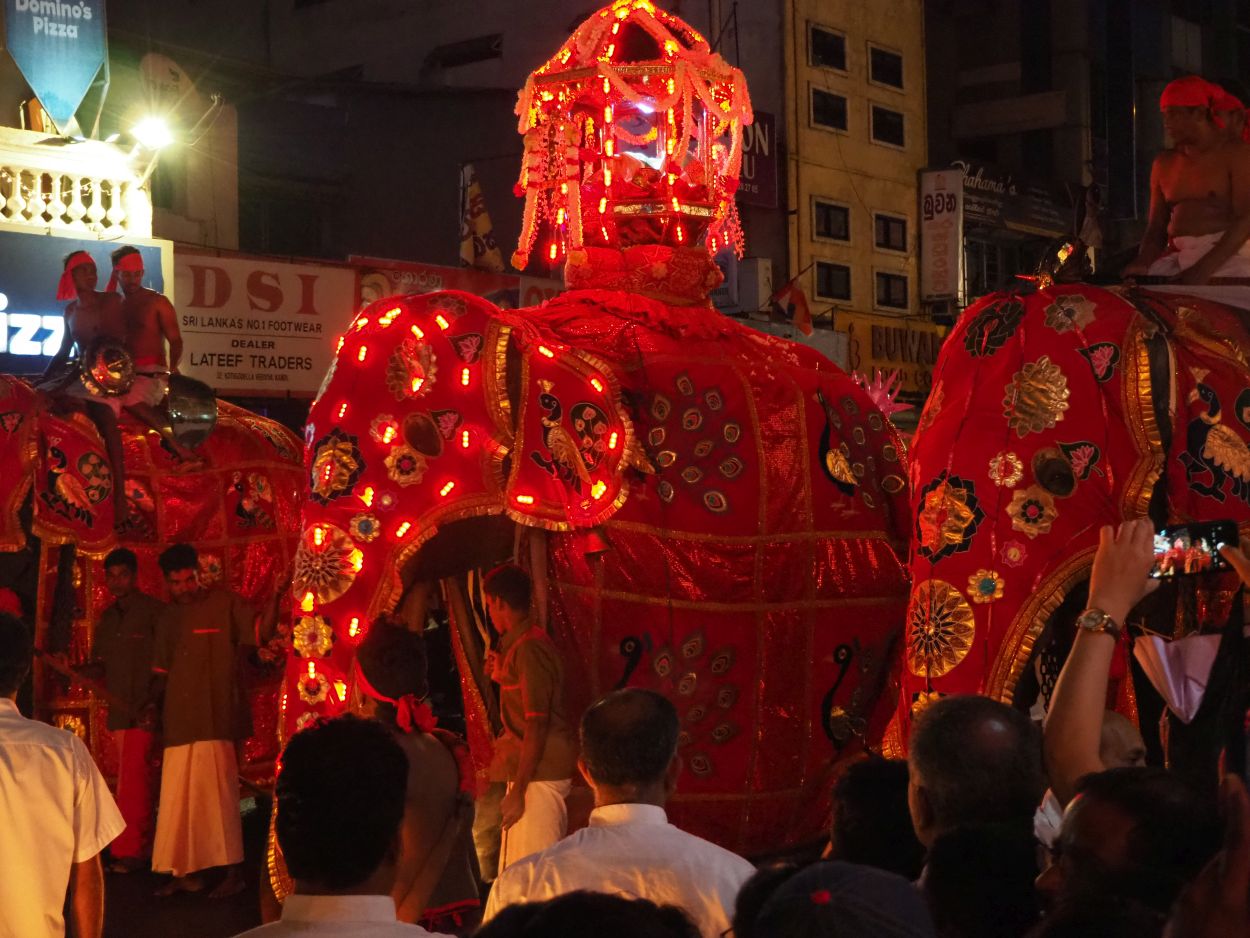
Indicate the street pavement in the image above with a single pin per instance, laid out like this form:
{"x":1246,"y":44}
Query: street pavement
{"x":133,"y":911}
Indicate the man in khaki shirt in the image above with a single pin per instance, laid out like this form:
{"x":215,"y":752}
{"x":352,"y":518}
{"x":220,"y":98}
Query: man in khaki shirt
{"x":122,"y":657}
{"x":535,"y":754}
{"x":199,"y":645}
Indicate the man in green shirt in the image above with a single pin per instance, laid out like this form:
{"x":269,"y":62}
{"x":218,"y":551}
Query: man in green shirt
{"x":122,"y":658}
{"x":535,"y":755}
{"x":201,"y":637}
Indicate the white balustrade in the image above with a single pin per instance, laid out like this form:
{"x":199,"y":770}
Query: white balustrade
{"x":91,"y":187}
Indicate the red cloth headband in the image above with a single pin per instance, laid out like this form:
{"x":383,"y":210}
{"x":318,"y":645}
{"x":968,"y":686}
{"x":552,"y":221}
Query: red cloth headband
{"x":10,"y":603}
{"x":65,"y":289}
{"x":412,"y":715}
{"x":1190,"y":91}
{"x":129,"y":262}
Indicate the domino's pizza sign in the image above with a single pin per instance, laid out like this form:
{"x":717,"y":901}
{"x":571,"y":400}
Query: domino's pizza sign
{"x":59,"y":46}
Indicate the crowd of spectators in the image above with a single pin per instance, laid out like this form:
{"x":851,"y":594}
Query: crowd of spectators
{"x":993,"y":826}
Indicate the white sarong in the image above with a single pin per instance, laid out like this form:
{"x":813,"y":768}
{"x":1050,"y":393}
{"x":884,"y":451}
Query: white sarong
{"x":198,"y":824}
{"x":1187,"y":251}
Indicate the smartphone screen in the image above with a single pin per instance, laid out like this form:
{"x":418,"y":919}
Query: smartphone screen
{"x":1189,"y":549}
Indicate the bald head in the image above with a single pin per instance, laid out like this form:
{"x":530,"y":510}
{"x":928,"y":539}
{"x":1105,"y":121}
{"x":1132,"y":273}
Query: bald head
{"x":1120,"y":743}
{"x":629,"y":738}
{"x":973,"y":760}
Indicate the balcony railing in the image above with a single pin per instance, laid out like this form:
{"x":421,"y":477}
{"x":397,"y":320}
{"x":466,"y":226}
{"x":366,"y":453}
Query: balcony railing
{"x":89,"y":188}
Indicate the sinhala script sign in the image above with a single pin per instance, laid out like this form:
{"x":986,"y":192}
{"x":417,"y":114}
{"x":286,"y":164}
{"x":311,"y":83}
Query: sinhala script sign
{"x":252,"y":325}
{"x":59,"y":46}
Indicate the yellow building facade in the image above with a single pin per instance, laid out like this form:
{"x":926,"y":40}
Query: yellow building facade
{"x":855,"y":92}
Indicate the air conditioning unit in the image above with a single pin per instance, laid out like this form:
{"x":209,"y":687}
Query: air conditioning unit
{"x":755,"y":282}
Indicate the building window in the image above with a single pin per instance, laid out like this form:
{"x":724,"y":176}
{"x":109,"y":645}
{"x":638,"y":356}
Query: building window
{"x":833,"y":281}
{"x":827,"y":49}
{"x":833,"y":221}
{"x":890,"y":232}
{"x":887,"y":126}
{"x":891,"y":291}
{"x":885,"y":68}
{"x":828,"y":110}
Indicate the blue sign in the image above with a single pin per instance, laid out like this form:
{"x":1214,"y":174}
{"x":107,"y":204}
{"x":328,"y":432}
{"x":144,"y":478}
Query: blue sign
{"x":32,"y":322}
{"x":59,"y":46}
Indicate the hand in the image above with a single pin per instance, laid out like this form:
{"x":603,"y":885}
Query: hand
{"x":491,"y":663}
{"x":1237,"y":558}
{"x":512,"y":806}
{"x":1119,"y":580}
{"x":266,"y":655}
{"x":1215,"y":904}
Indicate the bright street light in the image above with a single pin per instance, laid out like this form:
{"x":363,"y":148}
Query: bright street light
{"x":153,"y":133}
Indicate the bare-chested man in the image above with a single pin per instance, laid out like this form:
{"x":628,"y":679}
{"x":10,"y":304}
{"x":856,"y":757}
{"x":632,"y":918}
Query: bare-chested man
{"x":90,"y":317}
{"x":149,"y":322}
{"x":1199,"y":194}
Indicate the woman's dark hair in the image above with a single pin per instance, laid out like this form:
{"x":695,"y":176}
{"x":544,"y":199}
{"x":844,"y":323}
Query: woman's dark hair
{"x":979,"y":881}
{"x":340,"y":799}
{"x":581,"y":914}
{"x":755,"y":892}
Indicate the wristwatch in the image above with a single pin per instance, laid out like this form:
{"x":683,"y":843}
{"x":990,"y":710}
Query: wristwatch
{"x":1096,"y":621}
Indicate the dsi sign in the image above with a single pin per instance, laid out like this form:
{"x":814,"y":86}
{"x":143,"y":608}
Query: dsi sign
{"x":59,"y":46}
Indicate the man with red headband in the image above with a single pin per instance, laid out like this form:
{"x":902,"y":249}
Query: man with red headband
{"x":1199,"y":194}
{"x":89,"y":318}
{"x":1230,"y":114}
{"x":150,"y":321}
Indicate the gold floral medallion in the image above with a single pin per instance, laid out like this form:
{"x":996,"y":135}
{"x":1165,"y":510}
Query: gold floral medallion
{"x":940,"y":628}
{"x":1032,"y":511}
{"x":1006,"y":470}
{"x":1036,"y":398}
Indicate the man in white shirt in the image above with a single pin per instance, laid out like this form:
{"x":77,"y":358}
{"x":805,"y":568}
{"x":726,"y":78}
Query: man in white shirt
{"x":629,"y":757}
{"x":340,"y":800}
{"x":56,"y":814}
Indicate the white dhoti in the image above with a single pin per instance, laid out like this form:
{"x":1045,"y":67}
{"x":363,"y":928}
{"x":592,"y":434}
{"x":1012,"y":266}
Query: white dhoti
{"x":545,"y":821}
{"x":198,"y":824}
{"x":1185,"y":251}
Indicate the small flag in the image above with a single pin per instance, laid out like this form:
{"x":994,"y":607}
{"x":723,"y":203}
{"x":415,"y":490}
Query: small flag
{"x":790,"y":304}
{"x":477,"y":235}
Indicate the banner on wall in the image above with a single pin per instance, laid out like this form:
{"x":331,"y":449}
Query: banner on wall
{"x":253,"y":325}
{"x":908,"y":346}
{"x":59,"y":47}
{"x":941,"y":234}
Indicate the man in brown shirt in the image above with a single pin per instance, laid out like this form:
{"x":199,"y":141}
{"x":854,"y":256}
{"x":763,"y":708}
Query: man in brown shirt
{"x":200,"y":638}
{"x":535,"y":754}
{"x":122,"y":658}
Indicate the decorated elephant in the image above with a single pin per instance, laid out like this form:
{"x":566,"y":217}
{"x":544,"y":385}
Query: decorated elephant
{"x":239,"y":508}
{"x":706,"y":510}
{"x":1052,"y":414}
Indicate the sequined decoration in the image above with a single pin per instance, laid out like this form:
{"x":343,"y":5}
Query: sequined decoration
{"x":411,"y":370}
{"x":1036,"y":398}
{"x":1006,"y":470}
{"x":1013,"y":554}
{"x":985,"y":586}
{"x":1032,"y":511}
{"x":312,"y":637}
{"x":1071,"y":311}
{"x":325,"y":563}
{"x":210,"y":569}
{"x":336,"y":466}
{"x":940,"y":628}
{"x":949,"y":516}
{"x":405,"y":465}
{"x":365,"y":528}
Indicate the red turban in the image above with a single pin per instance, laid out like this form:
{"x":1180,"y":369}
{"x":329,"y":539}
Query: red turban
{"x":1223,"y":101}
{"x":65,"y":289}
{"x":128,"y":262}
{"x":1190,"y":91}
